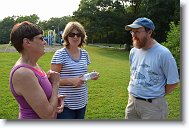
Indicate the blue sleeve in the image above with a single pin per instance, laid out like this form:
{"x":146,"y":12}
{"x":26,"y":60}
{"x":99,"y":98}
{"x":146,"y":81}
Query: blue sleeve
{"x":57,"y":57}
{"x":88,"y":58}
{"x":170,"y":68}
{"x":131,"y":55}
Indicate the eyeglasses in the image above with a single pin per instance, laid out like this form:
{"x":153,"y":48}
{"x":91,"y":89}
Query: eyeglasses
{"x":136,"y":32}
{"x":75,"y":34}
{"x":41,"y":38}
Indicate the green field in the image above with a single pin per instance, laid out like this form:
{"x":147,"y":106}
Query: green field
{"x":107,"y":96}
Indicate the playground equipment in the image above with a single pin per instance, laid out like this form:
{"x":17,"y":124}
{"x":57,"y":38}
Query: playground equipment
{"x":59,"y":39}
{"x":51,"y":37}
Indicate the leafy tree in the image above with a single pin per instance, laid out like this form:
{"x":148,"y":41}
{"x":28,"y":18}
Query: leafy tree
{"x":32,"y":18}
{"x":55,"y":23}
{"x":104,"y":20}
{"x":173,"y":41}
{"x":7,"y":23}
{"x":159,"y":11}
{"x":162,"y":12}
{"x":5,"y":28}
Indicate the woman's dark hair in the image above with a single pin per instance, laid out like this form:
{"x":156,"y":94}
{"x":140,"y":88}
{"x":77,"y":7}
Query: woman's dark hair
{"x":23,"y":30}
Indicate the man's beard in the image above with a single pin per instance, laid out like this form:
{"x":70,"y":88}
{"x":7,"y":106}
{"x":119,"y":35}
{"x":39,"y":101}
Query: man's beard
{"x":139,"y":43}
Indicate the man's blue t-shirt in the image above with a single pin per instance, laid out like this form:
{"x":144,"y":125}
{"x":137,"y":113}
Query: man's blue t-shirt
{"x":151,"y":70}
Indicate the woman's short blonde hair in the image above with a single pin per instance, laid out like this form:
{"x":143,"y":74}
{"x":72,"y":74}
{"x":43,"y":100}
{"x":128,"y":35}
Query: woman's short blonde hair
{"x":69,"y":28}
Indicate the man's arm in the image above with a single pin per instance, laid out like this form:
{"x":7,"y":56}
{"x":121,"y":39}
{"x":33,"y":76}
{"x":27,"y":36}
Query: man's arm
{"x":170,"y":87}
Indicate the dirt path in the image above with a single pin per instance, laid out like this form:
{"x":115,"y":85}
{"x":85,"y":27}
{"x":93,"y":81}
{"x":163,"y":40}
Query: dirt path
{"x":47,"y":48}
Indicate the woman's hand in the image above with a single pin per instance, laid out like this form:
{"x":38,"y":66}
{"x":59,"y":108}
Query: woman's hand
{"x":60,"y":106}
{"x":78,"y":81}
{"x":54,"y":77}
{"x":97,"y":75}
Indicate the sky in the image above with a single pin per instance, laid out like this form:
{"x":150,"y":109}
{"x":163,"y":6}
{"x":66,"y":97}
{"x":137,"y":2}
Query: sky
{"x":45,"y":9}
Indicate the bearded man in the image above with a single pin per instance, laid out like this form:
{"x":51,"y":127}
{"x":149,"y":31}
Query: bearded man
{"x":153,"y":74}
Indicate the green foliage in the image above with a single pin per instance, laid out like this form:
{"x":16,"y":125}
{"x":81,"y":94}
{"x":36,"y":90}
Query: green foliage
{"x":32,"y":18}
{"x":56,"y":24}
{"x":107,"y":96}
{"x":7,"y":23}
{"x":173,"y":41}
{"x":161,"y":12}
{"x":105,"y":20}
{"x":5,"y":28}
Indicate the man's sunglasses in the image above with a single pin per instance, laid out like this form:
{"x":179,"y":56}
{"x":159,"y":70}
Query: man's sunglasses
{"x":75,"y":34}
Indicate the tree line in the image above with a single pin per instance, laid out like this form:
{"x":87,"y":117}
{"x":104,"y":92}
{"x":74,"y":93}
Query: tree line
{"x":104,"y":20}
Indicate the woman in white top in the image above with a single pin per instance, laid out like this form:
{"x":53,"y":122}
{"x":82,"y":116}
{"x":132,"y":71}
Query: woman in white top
{"x":71,"y":62}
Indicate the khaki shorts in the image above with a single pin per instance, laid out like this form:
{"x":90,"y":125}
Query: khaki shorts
{"x":140,"y":109}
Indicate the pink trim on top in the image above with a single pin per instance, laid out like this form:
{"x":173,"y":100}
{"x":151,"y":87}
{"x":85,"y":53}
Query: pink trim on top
{"x":35,"y":70}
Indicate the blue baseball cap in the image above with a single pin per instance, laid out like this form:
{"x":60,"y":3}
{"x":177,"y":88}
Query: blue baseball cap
{"x":141,"y":22}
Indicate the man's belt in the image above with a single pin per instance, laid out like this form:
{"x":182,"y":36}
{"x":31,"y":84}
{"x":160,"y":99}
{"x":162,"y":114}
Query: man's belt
{"x":148,"y":100}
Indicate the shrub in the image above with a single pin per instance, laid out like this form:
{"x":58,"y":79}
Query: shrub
{"x":173,"y":41}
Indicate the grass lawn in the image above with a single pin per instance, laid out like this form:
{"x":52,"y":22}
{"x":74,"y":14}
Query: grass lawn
{"x":107,"y":96}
